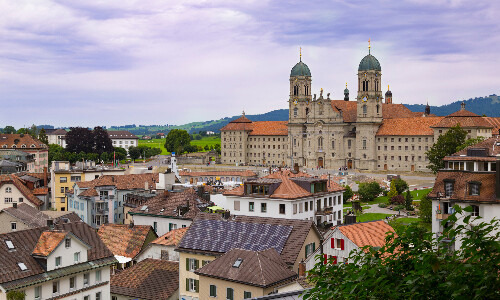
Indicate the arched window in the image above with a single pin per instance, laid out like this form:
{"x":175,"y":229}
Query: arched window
{"x":320,"y":142}
{"x":295,"y":112}
{"x":365,"y":110}
{"x":378,"y":107}
{"x":307,"y":111}
{"x":307,"y":90}
{"x":296,"y":90}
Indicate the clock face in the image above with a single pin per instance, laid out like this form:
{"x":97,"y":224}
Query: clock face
{"x":364,"y":99}
{"x":378,"y":99}
{"x":295,"y":101}
{"x":307,"y":102}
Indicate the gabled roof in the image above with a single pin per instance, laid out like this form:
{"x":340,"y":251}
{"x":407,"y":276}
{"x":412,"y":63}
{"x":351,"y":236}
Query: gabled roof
{"x":49,"y":240}
{"x":257,"y":268}
{"x":495,"y":123}
{"x":150,"y":279}
{"x":171,"y":238}
{"x":21,"y":139}
{"x":20,"y":185}
{"x":291,"y":249}
{"x":121,"y":134}
{"x":56,"y":132}
{"x":36,"y":218}
{"x":122,"y":182}
{"x":24,"y":242}
{"x":243,"y":173}
{"x":366,"y":233}
{"x":125,"y":240}
{"x":465,"y":118}
{"x":389,"y":111}
{"x":417,"y":126}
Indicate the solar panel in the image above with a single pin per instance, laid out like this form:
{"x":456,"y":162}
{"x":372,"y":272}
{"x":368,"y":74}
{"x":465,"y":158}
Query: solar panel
{"x":222,"y":236}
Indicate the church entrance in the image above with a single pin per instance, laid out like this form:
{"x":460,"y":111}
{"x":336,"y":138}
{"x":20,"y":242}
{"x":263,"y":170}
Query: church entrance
{"x":320,"y":162}
{"x":349,"y":164}
{"x":385,"y":167}
{"x":412,"y":168}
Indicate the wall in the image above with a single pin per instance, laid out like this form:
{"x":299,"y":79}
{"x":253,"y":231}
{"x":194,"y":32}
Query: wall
{"x":183,"y":273}
{"x":154,"y":251}
{"x":67,"y":254}
{"x":15,"y":194}
{"x":162,"y":223}
{"x":312,"y":237}
{"x":6,"y":220}
{"x":222,"y":285}
{"x":400,"y":153}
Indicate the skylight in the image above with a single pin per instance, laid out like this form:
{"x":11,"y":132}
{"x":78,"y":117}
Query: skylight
{"x":10,"y":245}
{"x":22,"y":266}
{"x":144,"y":207}
{"x":237,"y":263}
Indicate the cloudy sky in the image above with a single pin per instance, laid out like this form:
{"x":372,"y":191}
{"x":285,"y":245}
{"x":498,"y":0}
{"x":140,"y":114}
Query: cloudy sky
{"x":116,"y":62}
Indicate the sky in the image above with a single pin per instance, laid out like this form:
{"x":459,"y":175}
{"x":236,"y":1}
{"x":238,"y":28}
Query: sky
{"x":118,"y":62}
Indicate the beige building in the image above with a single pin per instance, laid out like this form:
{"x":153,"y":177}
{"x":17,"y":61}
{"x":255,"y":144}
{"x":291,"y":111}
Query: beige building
{"x":369,"y":133}
{"x":28,"y":144}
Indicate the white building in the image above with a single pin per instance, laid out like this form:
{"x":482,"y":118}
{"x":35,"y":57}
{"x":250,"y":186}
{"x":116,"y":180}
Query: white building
{"x":471,"y":177}
{"x":57,"y":137}
{"x":289,"y":195}
{"x":123,"y":139}
{"x":164,"y":246}
{"x":56,"y":263}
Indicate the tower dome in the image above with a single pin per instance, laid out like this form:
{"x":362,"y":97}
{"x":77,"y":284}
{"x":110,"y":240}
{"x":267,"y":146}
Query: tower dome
{"x":368,"y":63}
{"x":300,"y":69}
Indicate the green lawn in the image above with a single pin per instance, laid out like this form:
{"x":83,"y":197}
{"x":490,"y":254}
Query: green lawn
{"x":417,"y":195}
{"x":160,"y":143}
{"x":206,"y":140}
{"x":372,"y":217}
{"x":407,"y":221}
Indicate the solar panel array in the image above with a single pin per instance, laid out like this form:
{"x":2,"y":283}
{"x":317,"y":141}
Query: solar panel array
{"x":222,"y":236}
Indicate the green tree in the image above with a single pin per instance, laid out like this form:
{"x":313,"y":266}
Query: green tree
{"x":415,"y":265}
{"x":9,"y":130}
{"x":392,"y":191}
{"x":206,"y":147}
{"x":177,"y":140}
{"x":400,"y":185}
{"x":408,"y":200}
{"x":425,"y":209}
{"x":119,"y":153}
{"x":16,"y":295}
{"x":369,"y":191}
{"x":134,"y":152}
{"x":445,"y":145}
{"x":470,"y":142}
{"x":101,"y":141}
{"x":22,"y":131}
{"x":57,"y":153}
{"x":42,"y":136}
{"x":348,"y":193}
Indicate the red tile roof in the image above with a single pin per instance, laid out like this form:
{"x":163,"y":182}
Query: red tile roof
{"x":19,"y":140}
{"x":269,"y":128}
{"x":245,"y":173}
{"x":389,"y":111}
{"x":121,"y":134}
{"x":36,"y":218}
{"x":408,"y":126}
{"x":171,"y":238}
{"x":495,"y":123}
{"x":125,"y":240}
{"x":367,"y":233}
{"x":464,"y":118}
{"x":20,"y":185}
{"x":123,"y":182}
{"x":48,"y":241}
{"x":491,"y":145}
{"x":149,"y":279}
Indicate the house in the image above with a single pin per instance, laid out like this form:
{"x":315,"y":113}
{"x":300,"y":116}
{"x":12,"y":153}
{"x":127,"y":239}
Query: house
{"x":13,"y":190}
{"x":63,"y":176}
{"x":100,"y":201}
{"x":150,"y":279}
{"x":164,"y":246}
{"x":56,"y":136}
{"x":241,"y":274}
{"x":471,"y":177}
{"x":133,"y":200}
{"x":126,"y":241}
{"x":123,"y":139}
{"x":62,"y":262}
{"x":23,"y":216}
{"x":198,"y":177}
{"x":288,"y":194}
{"x":294,"y":295}
{"x":30,"y":145}
{"x":341,"y":240}
{"x":210,"y":236}
{"x":169,"y":210}
{"x":22,"y":161}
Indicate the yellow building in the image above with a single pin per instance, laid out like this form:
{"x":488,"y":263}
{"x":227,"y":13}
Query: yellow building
{"x":63,"y":176}
{"x":210,"y":237}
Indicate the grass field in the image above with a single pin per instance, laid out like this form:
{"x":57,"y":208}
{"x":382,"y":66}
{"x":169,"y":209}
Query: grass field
{"x":372,"y":217}
{"x":399,"y":222}
{"x":160,"y":143}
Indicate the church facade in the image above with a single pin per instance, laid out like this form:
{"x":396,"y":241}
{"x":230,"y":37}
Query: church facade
{"x":369,"y":132}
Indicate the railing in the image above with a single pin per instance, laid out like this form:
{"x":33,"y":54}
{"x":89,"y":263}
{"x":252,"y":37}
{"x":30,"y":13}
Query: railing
{"x":441,"y":216}
{"x":325,"y":211}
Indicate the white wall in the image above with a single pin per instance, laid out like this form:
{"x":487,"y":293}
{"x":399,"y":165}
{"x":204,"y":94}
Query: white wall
{"x":162,"y":223}
{"x":154,"y":251}
{"x":15,"y":194}
{"x":67,"y":254}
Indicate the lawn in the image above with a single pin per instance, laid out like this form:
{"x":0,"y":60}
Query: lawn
{"x":206,"y":140}
{"x":407,"y":221}
{"x":160,"y":143}
{"x":372,"y":217}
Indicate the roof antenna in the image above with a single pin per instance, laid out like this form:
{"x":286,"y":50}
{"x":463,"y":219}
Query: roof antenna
{"x":369,"y":46}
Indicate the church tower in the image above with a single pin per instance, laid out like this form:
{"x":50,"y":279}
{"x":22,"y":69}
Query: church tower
{"x":369,"y":107}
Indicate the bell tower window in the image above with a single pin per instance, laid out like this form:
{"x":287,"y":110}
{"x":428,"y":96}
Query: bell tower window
{"x":365,"y":110}
{"x":295,"y":90}
{"x":378,"y":107}
{"x":307,"y":111}
{"x":295,"y":112}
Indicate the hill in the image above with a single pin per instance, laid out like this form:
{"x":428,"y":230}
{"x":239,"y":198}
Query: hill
{"x":489,"y":106}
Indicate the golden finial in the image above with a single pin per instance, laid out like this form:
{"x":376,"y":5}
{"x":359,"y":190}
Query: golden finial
{"x":388,"y":88}
{"x":346,"y":85}
{"x":300,"y":53}
{"x":369,"y":46}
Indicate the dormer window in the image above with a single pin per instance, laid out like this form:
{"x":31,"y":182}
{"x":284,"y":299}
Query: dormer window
{"x":67,"y":243}
{"x":474,"y":188}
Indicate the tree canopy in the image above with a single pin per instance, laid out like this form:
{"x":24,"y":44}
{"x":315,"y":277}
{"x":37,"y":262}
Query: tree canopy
{"x":446,"y":144}
{"x":369,"y":191}
{"x":177,"y":140}
{"x":416,"y":265}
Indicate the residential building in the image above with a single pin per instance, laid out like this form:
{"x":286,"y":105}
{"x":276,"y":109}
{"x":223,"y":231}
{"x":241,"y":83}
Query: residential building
{"x":210,"y":236}
{"x":290,"y":195}
{"x":63,"y":177}
{"x":30,"y":145}
{"x":241,"y":274}
{"x":198,"y":177}
{"x":294,"y":295}
{"x":56,"y":136}
{"x":68,"y":261}
{"x":150,"y":279}
{"x":169,"y":210}
{"x":23,"y":216}
{"x":123,"y":139}
{"x":23,"y":161}
{"x":133,"y":200}
{"x":164,"y":246}
{"x":369,"y":133}
{"x":13,"y":191}
{"x":471,"y":177}
{"x":341,"y":240}
{"x":126,"y":241}
{"x":100,"y":201}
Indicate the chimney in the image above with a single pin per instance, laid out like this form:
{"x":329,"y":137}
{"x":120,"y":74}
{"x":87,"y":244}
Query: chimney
{"x":166,"y":193}
{"x":462,"y":106}
{"x":146,"y":185}
{"x":302,"y":269}
{"x":45,"y":178}
{"x":131,"y":225}
{"x":50,"y":223}
{"x":14,"y":204}
{"x":497,"y":179}
{"x":296,"y":168}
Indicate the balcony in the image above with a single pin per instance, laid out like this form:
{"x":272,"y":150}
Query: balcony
{"x":325,"y":211}
{"x":101,"y":211}
{"x":441,"y":216}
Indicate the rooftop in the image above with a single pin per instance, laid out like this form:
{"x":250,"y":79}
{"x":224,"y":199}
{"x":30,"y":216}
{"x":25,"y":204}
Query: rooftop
{"x":125,"y":240}
{"x":366,"y":233}
{"x":36,"y":218}
{"x":20,"y":185}
{"x":171,"y":238}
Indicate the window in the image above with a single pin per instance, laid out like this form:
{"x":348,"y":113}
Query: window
{"x":67,"y":243}
{"x":98,"y":296}
{"x":63,"y":179}
{"x":310,"y":248}
{"x":192,"y":264}
{"x":230,"y":294}
{"x":58,"y":261}
{"x":98,"y":276}
{"x":164,"y":254}
{"x":87,"y":297}
{"x":21,"y":200}
{"x":475,"y":211}
{"x":282,"y":209}
{"x":295,"y":112}
{"x":8,"y":200}
{"x":365,"y":110}
{"x":77,"y":256}
{"x":8,"y":190}
{"x":13,"y":226}
{"x":192,"y":285}
{"x":55,"y":287}
{"x":38,"y":292}
{"x":247,"y":295}
{"x":306,"y":206}
{"x":474,"y":188}
{"x":155,"y":226}
{"x":76,"y":178}
{"x":86,"y":279}
{"x":213,"y":290}
{"x":237,"y":205}
{"x":251,"y":206}
{"x":448,"y":188}
{"x":364,"y":144}
{"x":72,"y":282}
{"x":263,"y":207}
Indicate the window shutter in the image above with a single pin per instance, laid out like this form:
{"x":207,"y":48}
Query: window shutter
{"x":187,"y":284}
{"x":325,"y":259}
{"x":196,"y":264}
{"x":314,"y":247}
{"x":197,"y":286}
{"x":334,"y":260}
{"x":187,"y":264}
{"x":332,"y":242}
{"x":341,"y":244}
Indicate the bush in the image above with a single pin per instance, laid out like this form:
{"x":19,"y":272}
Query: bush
{"x":369,"y":191}
{"x":410,"y":208}
{"x":382,"y":205}
{"x":398,"y":200}
{"x":385,"y":192}
{"x":415,"y":203}
{"x":399,"y":207}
